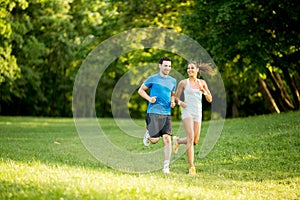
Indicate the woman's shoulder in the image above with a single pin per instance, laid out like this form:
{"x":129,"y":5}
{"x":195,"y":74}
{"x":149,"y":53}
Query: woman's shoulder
{"x":183,"y":82}
{"x":201,"y":80}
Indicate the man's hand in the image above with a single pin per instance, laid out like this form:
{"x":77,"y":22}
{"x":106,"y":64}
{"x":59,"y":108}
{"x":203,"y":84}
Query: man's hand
{"x":173,"y":104}
{"x":152,"y":99}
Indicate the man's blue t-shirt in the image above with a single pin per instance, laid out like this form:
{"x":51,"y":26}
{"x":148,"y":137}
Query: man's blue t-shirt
{"x":162,"y":88}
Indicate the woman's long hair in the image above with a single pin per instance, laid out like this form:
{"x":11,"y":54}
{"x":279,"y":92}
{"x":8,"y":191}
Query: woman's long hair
{"x":204,"y":67}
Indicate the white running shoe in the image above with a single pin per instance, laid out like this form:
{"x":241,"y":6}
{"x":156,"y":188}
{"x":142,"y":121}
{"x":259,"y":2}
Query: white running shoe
{"x":166,"y":170}
{"x":146,"y":138}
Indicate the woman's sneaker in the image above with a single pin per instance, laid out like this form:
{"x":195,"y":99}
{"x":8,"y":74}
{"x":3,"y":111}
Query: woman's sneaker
{"x":192,"y":170}
{"x":175,"y":144}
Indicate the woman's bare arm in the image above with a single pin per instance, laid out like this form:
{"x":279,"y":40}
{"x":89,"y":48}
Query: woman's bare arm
{"x":206,"y":93}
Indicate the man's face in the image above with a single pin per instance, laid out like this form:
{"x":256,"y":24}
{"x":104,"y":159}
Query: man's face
{"x":165,"y":67}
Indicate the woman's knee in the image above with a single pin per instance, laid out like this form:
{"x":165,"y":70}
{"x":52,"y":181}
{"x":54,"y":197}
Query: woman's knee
{"x":190,"y":140}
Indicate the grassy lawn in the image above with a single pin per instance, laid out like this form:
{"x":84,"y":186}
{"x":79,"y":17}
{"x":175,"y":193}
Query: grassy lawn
{"x":254,"y":158}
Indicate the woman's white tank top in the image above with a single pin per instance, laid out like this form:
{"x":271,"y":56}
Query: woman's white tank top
{"x":193,"y":99}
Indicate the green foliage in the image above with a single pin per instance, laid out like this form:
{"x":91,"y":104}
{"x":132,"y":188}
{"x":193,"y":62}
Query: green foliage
{"x":9,"y":70}
{"x":255,"y":158}
{"x":44,"y":42}
{"x":136,"y":13}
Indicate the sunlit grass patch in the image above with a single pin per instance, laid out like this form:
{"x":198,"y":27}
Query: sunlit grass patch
{"x":35,"y":180}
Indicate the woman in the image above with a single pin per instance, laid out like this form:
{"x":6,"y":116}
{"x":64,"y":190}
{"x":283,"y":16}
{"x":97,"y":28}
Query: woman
{"x":193,"y":88}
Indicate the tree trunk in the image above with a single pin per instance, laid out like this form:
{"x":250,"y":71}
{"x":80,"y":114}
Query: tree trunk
{"x":235,"y":102}
{"x":268,"y":97}
{"x":293,"y":86}
{"x":296,"y":79}
{"x":281,"y":92}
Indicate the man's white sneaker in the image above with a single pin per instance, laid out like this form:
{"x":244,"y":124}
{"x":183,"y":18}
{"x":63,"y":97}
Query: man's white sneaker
{"x":146,"y":138}
{"x":166,"y":170}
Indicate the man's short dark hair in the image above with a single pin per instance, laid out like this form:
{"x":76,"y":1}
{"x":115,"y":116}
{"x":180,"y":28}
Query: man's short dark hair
{"x":165,"y":58}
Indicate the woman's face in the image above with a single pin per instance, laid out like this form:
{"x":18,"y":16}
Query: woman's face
{"x":192,"y":70}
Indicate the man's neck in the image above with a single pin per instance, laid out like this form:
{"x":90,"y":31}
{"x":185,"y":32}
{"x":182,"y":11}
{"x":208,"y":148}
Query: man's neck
{"x":163,"y":75}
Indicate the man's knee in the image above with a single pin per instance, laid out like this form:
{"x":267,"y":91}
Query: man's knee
{"x":154,"y":140}
{"x":167,"y":139}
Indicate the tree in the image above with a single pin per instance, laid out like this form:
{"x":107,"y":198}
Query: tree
{"x":248,"y":40}
{"x":9,"y":70}
{"x":49,"y":39}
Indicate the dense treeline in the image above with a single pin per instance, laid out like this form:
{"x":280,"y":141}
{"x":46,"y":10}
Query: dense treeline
{"x":43,"y":43}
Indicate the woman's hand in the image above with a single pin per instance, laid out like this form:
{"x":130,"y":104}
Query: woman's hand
{"x":182,"y":104}
{"x":200,"y":86}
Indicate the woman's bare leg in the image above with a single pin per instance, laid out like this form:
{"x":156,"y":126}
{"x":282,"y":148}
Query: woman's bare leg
{"x":197,"y":130}
{"x":189,"y":129}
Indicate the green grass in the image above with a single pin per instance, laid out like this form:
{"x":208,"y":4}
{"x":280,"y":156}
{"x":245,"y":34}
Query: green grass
{"x":254,"y":158}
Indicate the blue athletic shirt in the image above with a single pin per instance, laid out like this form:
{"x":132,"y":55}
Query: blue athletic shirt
{"x":162,"y":88}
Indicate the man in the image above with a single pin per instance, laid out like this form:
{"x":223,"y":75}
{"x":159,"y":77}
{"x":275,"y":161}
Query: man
{"x":161,"y":99}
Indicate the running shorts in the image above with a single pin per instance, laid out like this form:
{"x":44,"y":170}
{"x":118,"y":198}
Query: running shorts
{"x":158,"y":124}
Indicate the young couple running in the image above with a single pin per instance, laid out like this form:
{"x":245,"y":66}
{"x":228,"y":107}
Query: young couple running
{"x":162,"y":97}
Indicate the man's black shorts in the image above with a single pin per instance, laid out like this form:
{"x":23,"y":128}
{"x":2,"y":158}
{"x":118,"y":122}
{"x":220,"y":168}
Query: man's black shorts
{"x":158,"y":125}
